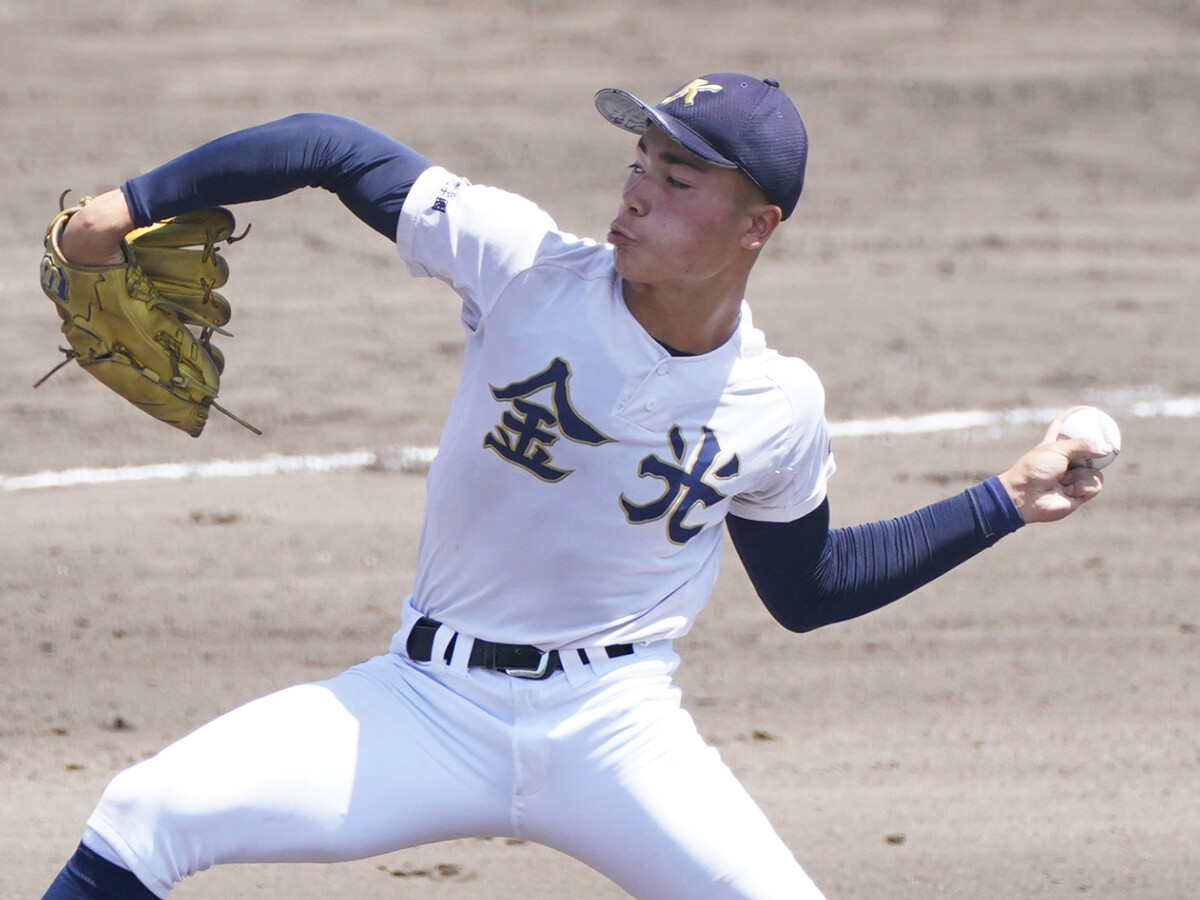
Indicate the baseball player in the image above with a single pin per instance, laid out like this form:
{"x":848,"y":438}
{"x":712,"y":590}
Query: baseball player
{"x":618,"y":410}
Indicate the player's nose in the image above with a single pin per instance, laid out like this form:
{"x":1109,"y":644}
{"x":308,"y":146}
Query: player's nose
{"x":633,"y":195}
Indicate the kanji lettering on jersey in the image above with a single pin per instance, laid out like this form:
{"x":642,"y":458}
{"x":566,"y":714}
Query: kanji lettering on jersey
{"x":685,"y":487}
{"x":528,"y":430}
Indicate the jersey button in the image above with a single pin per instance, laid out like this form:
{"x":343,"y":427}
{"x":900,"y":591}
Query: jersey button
{"x":651,"y":403}
{"x":662,"y":369}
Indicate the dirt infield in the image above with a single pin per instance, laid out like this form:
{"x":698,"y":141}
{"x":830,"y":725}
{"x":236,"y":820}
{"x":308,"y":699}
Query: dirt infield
{"x":1001,"y":212}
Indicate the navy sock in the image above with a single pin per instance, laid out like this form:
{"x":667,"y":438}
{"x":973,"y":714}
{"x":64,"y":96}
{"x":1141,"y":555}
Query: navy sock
{"x":87,"y":876}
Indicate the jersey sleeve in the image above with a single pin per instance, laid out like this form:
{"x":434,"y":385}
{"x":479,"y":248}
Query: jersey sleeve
{"x":797,"y":482}
{"x":474,"y":238}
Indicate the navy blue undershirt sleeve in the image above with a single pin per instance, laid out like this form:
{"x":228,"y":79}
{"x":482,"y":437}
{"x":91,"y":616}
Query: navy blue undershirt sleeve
{"x":809,"y":575}
{"x":370,"y":172}
{"x":87,"y":876}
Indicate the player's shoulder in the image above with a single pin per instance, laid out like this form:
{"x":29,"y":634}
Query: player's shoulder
{"x":782,"y":401}
{"x":793,"y":381}
{"x":501,"y":217}
{"x":790,"y":378}
{"x":789,"y":371}
{"x":439,"y":194}
{"x":482,"y":239}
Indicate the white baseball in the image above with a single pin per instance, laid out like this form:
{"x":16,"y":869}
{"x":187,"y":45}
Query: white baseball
{"x":1095,"y":424}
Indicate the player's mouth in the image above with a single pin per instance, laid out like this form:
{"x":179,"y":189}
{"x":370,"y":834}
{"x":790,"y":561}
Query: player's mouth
{"x":618,"y":237}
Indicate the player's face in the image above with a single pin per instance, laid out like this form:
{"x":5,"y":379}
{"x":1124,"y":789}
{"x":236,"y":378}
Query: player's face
{"x":682,"y":220}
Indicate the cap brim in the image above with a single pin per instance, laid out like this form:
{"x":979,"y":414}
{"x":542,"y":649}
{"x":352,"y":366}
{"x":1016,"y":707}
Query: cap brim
{"x":626,"y":111}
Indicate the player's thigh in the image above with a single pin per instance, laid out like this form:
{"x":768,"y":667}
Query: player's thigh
{"x":379,"y":758}
{"x":639,"y":796}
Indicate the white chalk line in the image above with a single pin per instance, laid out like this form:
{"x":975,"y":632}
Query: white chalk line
{"x":417,"y":459}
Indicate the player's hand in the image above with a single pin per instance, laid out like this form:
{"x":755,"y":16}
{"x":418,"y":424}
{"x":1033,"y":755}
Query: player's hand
{"x":1044,"y":484}
{"x":93,"y":235}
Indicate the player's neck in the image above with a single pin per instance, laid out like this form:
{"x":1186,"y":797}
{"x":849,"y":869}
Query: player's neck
{"x":690,"y":319}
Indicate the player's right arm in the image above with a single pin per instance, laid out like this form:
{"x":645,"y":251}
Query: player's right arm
{"x":809,"y":575}
{"x":370,"y":172}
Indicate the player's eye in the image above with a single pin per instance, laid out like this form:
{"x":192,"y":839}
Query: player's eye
{"x":674,"y":182}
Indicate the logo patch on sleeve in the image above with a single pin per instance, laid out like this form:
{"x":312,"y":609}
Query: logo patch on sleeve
{"x":448,"y":192}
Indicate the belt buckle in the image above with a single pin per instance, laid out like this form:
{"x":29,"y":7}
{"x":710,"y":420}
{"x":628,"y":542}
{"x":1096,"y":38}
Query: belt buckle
{"x":536,"y":674}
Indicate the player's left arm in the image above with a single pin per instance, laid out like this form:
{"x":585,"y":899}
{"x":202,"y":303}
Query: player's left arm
{"x":370,"y":172}
{"x":809,"y":575}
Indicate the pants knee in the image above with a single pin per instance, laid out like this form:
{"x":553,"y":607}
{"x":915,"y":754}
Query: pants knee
{"x":145,"y":823}
{"x":130,"y":802}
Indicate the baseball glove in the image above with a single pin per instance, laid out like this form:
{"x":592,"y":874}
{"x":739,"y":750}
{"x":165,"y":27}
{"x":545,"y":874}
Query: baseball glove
{"x":131,"y":326}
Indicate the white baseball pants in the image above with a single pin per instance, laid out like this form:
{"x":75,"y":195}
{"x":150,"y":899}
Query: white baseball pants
{"x":602,"y":765}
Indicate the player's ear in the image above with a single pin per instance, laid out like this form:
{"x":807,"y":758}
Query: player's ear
{"x":762,"y":220}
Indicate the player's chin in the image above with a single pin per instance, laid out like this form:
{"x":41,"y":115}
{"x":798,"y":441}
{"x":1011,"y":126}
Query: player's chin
{"x":625,"y":261}
{"x":637,"y":269}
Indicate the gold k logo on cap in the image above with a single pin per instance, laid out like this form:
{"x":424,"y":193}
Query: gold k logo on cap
{"x":689,"y":91}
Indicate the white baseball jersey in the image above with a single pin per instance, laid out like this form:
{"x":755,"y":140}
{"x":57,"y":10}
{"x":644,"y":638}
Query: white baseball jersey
{"x":576,"y":501}
{"x":584,"y":472}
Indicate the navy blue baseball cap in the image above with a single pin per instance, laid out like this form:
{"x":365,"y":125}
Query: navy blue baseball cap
{"x":730,"y":120}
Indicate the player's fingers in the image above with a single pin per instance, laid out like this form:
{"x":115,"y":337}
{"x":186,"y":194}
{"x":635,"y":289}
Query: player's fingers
{"x":1051,"y":434}
{"x":1066,"y":498}
{"x":1080,"y":451}
{"x":1054,"y":429}
{"x":1081,"y":483}
{"x":92,"y":236}
{"x":1051,"y":507}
